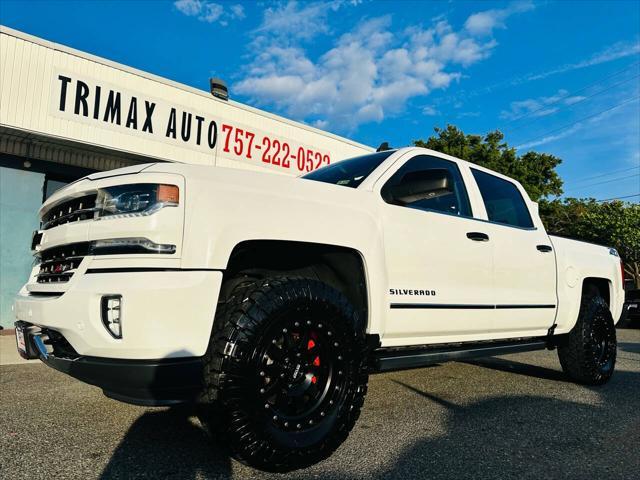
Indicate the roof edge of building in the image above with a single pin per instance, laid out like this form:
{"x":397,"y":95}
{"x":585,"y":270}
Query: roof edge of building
{"x":156,"y":78}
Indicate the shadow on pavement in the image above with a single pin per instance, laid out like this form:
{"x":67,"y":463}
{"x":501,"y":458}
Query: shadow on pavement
{"x":629,"y":347}
{"x":167,"y":444}
{"x":519,"y":368}
{"x":532,"y":437}
{"x":588,"y":433}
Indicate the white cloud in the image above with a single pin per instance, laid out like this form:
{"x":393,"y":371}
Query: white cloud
{"x":469,"y":114}
{"x":237,"y":11}
{"x":563,"y":132}
{"x":483,"y":23}
{"x":299,"y":20}
{"x":539,"y":107}
{"x":304,"y":21}
{"x":210,"y":12}
{"x":613,"y":52}
{"x":608,"y":54}
{"x":190,"y":8}
{"x":429,"y":111}
{"x":275,"y":87}
{"x":550,"y":138}
{"x":367,"y":73}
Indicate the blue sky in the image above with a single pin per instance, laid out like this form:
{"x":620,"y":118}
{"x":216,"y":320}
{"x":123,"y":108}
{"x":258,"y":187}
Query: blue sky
{"x":557,"y":77}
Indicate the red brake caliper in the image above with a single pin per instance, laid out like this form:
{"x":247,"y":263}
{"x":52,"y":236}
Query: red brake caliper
{"x":316,"y":361}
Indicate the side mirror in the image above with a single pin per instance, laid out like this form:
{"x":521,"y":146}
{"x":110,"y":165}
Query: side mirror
{"x":420,"y":185}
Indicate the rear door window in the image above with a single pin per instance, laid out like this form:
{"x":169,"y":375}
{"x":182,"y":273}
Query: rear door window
{"x":502,"y":200}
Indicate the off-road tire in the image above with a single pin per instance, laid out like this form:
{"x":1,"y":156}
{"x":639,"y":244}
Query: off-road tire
{"x":588,"y":354}
{"x":234,"y":407}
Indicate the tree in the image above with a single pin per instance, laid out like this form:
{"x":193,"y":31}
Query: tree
{"x":615,"y":224}
{"x":535,"y":171}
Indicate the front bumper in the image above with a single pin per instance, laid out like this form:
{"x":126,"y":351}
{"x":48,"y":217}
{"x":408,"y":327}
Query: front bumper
{"x":139,"y":382}
{"x":165,"y":314}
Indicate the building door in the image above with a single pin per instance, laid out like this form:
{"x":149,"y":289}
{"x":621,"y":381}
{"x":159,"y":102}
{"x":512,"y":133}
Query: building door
{"x":20,"y":199}
{"x":24,"y":185}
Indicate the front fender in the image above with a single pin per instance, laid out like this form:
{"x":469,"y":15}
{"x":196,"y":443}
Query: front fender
{"x":220,"y":215}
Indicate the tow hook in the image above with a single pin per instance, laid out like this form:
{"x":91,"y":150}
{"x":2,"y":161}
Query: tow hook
{"x":40,"y":345}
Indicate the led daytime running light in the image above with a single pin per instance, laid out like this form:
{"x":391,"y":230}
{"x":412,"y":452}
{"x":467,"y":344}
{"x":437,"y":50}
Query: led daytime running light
{"x":114,"y":246}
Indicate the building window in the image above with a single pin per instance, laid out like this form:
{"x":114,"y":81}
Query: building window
{"x":51,"y":186}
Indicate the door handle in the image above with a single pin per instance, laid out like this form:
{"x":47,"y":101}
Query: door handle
{"x":544,"y":248}
{"x":478,"y":236}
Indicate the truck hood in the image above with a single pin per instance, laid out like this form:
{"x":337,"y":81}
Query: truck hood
{"x":119,"y":171}
{"x":240,"y":181}
{"x":227,"y":181}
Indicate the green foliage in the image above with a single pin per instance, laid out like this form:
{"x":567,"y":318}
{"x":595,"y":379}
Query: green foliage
{"x":615,"y":224}
{"x":535,"y":171}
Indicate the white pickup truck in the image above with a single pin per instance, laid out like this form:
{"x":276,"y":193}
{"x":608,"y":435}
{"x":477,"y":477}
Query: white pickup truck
{"x":268,"y":300}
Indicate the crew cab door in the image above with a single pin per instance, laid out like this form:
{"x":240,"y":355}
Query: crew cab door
{"x":439,"y":278}
{"x":524,"y":267}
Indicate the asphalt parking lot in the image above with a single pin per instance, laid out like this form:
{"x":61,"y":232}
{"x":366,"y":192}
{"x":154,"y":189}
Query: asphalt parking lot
{"x":506,"y":417}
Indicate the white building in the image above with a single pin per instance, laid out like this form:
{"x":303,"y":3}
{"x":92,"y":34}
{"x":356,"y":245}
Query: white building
{"x":66,"y":113}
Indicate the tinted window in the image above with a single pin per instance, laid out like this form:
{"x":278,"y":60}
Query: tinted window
{"x":428,"y":183}
{"x":350,"y":172}
{"x":502,"y":200}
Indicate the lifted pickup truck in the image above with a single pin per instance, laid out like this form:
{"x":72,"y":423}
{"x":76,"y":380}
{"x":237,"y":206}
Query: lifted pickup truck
{"x":268,"y":300}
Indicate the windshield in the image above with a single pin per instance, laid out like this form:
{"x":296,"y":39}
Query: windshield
{"x":350,"y":172}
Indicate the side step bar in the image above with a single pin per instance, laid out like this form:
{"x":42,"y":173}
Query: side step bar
{"x":389,"y":359}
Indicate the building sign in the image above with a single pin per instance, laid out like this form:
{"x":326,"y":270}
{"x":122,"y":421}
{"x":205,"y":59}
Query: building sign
{"x":106,"y":106}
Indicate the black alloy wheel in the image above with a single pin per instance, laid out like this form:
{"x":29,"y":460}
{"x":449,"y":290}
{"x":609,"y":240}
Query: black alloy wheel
{"x":602,"y":342}
{"x":300,"y":372}
{"x":285,"y":373}
{"x":588,"y":354}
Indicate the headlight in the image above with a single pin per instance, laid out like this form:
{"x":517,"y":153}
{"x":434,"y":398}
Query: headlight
{"x":135,"y":200}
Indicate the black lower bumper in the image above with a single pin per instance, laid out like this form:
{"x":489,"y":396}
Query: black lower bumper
{"x":139,"y":382}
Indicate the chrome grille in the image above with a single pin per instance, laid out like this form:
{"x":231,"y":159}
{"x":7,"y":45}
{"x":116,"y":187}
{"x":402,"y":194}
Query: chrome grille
{"x":74,"y":210}
{"x":58,"y":264}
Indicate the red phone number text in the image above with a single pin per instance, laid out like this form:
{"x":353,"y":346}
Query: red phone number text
{"x":272,"y":151}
